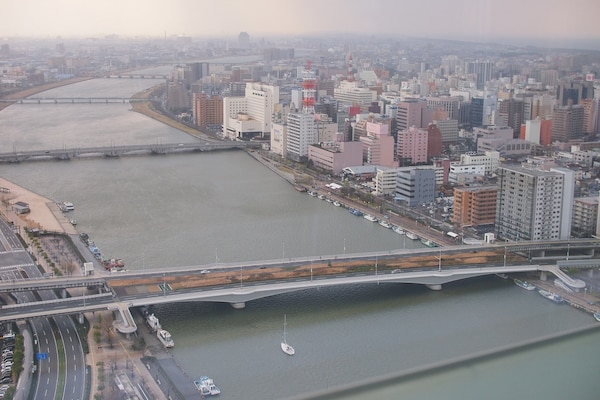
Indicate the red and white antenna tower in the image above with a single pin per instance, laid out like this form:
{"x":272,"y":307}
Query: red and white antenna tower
{"x":350,"y":77}
{"x":308,"y":90}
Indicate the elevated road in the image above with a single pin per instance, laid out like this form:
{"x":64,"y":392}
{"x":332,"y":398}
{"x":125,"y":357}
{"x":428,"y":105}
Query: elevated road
{"x":238,"y":283}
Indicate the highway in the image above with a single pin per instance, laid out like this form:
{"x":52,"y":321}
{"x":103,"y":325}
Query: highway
{"x":54,"y":338}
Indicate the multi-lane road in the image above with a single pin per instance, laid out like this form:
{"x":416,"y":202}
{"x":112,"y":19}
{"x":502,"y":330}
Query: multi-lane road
{"x":58,"y":352}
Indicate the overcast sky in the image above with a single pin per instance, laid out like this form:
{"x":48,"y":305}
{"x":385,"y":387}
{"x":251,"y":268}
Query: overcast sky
{"x":479,"y":20}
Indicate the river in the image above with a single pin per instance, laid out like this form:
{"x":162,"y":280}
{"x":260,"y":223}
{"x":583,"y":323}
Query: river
{"x":162,"y":211}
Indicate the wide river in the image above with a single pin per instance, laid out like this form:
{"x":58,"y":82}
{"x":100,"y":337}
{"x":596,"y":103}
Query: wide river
{"x":157,"y":212}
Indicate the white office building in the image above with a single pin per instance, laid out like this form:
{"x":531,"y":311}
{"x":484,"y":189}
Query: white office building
{"x":250,"y":116}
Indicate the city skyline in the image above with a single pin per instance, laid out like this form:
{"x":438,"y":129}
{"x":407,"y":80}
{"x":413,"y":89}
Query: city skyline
{"x":535,"y":22}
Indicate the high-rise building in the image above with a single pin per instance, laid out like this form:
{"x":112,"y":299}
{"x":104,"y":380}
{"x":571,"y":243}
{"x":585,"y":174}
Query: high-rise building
{"x":378,"y":144}
{"x":301,"y":132}
{"x":178,"y":97}
{"x":590,"y":115}
{"x":567,"y":123}
{"x":412,"y":146}
{"x":585,"y":217}
{"x":207,"y":110}
{"x":434,"y":142}
{"x":197,"y":71}
{"x":484,"y":70}
{"x":534,"y":204}
{"x":250,"y":116}
{"x":474,"y":205}
{"x":512,"y":111}
{"x":447,"y":103}
{"x":244,"y":40}
{"x":449,"y":130}
{"x":574,"y":89}
{"x":413,"y":113}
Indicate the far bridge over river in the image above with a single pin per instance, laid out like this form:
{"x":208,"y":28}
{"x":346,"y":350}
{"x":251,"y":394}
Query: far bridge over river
{"x":125,"y":150}
{"x":238,"y":283}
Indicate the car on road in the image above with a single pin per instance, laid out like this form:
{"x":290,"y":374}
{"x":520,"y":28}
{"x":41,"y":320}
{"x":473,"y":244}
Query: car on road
{"x":205,"y":271}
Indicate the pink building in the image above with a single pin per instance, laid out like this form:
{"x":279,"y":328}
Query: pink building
{"x":412,"y":146}
{"x":378,"y":144}
{"x":335,"y":156}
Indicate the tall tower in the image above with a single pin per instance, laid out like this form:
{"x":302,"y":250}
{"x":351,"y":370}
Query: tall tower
{"x":350,"y":76}
{"x":308,"y":90}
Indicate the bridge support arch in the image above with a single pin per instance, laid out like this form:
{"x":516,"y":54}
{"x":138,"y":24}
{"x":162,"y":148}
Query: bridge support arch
{"x":435,"y":287}
{"x":239,"y":306}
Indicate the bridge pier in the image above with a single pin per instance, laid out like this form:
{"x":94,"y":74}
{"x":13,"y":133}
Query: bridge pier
{"x":239,"y":306}
{"x":543,"y":276}
{"x":435,"y":287}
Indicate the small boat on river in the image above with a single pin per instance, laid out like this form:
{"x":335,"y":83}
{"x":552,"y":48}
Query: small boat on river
{"x":206,"y":386}
{"x":369,"y":217}
{"x":551,"y":296}
{"x":523,"y":284}
{"x":412,"y":236}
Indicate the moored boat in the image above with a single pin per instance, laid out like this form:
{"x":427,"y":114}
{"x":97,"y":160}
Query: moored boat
{"x":428,"y":243}
{"x":411,"y":236}
{"x":153,"y":322}
{"x":398,"y":230}
{"x":597,"y":316}
{"x":337,"y":203}
{"x":206,"y":386}
{"x":385,"y":224}
{"x":369,"y":217}
{"x":523,"y":284}
{"x":551,"y":296}
{"x":165,"y":338}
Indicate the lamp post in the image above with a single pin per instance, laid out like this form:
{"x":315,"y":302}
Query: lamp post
{"x":440,"y":262}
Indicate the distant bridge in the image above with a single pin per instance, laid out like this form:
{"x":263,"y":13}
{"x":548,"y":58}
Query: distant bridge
{"x":118,"y":151}
{"x":138,"y":76}
{"x":72,"y":100}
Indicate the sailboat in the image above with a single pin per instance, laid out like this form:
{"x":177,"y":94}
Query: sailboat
{"x":287,"y":349}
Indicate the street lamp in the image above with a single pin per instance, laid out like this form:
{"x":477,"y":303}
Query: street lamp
{"x":440,"y":262}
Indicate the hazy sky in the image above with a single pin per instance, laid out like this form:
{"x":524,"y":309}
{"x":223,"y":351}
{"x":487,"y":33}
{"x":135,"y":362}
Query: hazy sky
{"x":480,"y":20}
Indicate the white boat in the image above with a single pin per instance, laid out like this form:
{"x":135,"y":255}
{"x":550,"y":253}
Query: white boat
{"x":523,"y":284}
{"x":385,"y":224}
{"x":153,"y":322}
{"x":411,"y":236}
{"x":66,"y":206}
{"x":597,"y":316}
{"x":398,"y":230}
{"x":337,"y":203}
{"x":206,"y":386}
{"x":165,"y":338}
{"x":369,"y":217}
{"x":321,"y":197}
{"x":287,"y":348}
